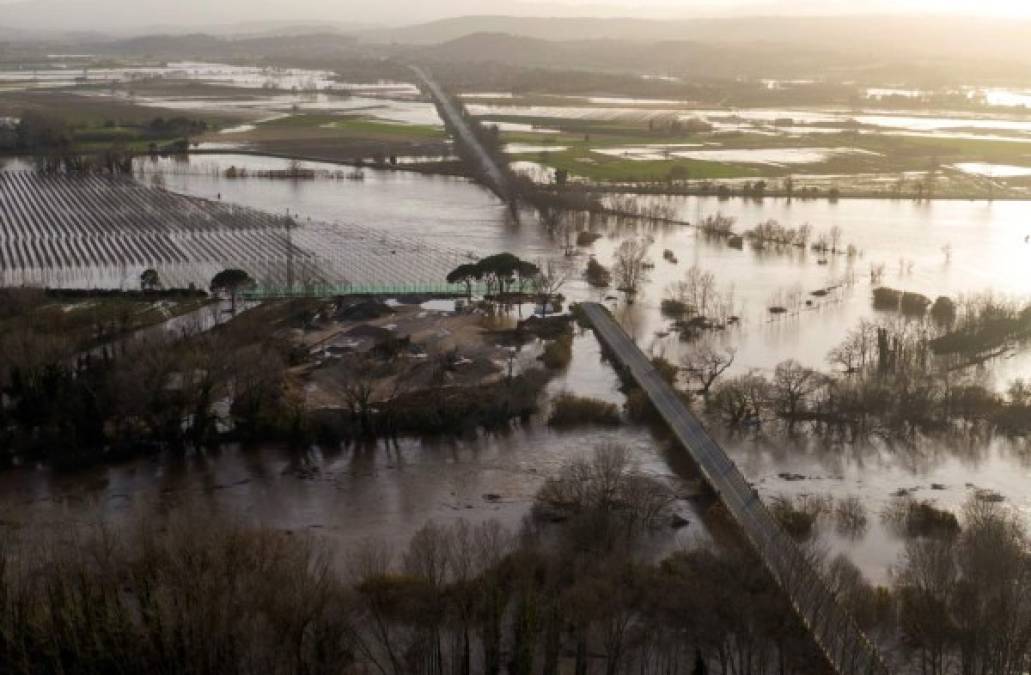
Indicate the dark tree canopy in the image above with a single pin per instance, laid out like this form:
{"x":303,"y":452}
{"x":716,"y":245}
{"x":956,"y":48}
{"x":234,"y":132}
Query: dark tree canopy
{"x":497,"y":271}
{"x":232,"y":281}
{"x":150,"y":280}
{"x":463,"y":274}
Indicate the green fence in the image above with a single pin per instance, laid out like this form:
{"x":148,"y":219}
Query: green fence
{"x":326,"y":291}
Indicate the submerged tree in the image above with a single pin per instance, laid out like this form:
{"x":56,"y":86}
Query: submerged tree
{"x":707,"y":364}
{"x":631,"y":266}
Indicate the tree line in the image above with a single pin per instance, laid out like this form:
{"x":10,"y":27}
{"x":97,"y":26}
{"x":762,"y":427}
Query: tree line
{"x":566,"y":592}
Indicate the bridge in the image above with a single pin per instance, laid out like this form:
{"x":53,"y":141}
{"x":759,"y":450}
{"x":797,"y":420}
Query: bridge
{"x":456,"y":122}
{"x":843,"y":643}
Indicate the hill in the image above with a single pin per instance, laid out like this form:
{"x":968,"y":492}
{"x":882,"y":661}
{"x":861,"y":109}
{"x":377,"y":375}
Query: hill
{"x":867,"y":36}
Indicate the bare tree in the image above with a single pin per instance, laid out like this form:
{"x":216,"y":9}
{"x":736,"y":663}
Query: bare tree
{"x":549,"y":280}
{"x":857,"y":350}
{"x":706,"y":365}
{"x":631,"y":266}
{"x":793,"y":383}
{"x":805,"y":233}
{"x":835,"y":238}
{"x":742,"y":399}
{"x":925,"y":585}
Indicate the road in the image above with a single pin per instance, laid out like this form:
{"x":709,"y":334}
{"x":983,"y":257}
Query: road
{"x":844,"y":644}
{"x":494,"y":176}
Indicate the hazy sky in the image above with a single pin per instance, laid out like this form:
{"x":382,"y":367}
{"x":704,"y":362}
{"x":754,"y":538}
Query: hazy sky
{"x":973,"y":7}
{"x":122,"y":14}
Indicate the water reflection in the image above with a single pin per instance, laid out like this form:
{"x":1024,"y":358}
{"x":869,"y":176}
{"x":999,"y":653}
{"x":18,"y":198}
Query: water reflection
{"x":391,"y":490}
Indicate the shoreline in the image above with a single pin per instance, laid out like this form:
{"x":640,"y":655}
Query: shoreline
{"x":434,"y":169}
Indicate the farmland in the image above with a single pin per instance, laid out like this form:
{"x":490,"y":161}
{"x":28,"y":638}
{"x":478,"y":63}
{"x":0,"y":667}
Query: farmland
{"x":337,"y":137}
{"x":93,"y":231}
{"x":621,"y":140}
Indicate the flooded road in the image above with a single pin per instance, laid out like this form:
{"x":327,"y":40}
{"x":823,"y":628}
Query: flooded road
{"x":388,"y":492}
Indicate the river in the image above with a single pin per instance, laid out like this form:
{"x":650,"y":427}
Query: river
{"x":388,"y":492}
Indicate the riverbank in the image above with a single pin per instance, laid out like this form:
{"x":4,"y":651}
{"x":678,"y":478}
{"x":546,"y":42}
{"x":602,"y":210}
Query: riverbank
{"x":803,"y":191}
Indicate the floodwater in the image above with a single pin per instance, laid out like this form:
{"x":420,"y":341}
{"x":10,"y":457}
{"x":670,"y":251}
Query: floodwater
{"x":770,"y":156}
{"x":774,"y":120}
{"x":275,"y":104}
{"x":264,"y":92}
{"x":249,"y":77}
{"x":389,"y":492}
{"x":527,"y":148}
{"x":994,"y":170}
{"x":383,"y":492}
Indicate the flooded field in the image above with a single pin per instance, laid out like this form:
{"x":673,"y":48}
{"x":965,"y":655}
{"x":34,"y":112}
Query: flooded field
{"x":798,"y":119}
{"x":270,"y":105}
{"x":75,"y":73}
{"x":772,"y":156}
{"x":952,"y":247}
{"x":993,"y":170}
{"x":87,"y":232}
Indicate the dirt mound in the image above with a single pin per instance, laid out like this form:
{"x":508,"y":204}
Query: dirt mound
{"x":364,"y":310}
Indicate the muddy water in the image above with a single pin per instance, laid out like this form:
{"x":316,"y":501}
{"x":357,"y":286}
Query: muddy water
{"x":385,"y":491}
{"x":388,"y":492}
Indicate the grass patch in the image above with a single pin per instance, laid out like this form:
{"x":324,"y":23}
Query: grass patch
{"x":375,"y":128}
{"x":95,"y":111}
{"x":349,"y":126}
{"x":582,"y":162}
{"x":572,"y":411}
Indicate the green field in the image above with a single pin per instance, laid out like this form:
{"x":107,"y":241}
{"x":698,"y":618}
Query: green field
{"x":345,"y":126}
{"x":876,"y":153}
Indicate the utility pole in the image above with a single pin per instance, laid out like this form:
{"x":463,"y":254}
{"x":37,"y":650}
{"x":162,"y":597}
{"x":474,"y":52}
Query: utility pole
{"x":289,"y":254}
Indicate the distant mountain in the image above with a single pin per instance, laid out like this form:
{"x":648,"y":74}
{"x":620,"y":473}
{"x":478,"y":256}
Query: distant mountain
{"x":871,"y":36}
{"x":291,"y":48}
{"x":136,"y":17}
{"x":630,"y":56}
{"x":544,"y":28}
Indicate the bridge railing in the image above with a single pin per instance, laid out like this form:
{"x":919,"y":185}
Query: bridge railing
{"x":842,"y":641}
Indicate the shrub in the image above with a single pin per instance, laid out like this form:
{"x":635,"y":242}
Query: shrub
{"x":944,"y":311}
{"x":850,"y":515}
{"x":639,"y":407}
{"x":570,"y":411}
{"x":903,"y":301}
{"x":558,"y":353}
{"x":586,"y":238}
{"x":458,"y":409}
{"x":666,"y":370}
{"x":579,"y":315}
{"x":914,"y":518}
{"x":798,"y":517}
{"x":605,"y":488}
{"x":675,"y":309}
{"x":597,"y":274}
